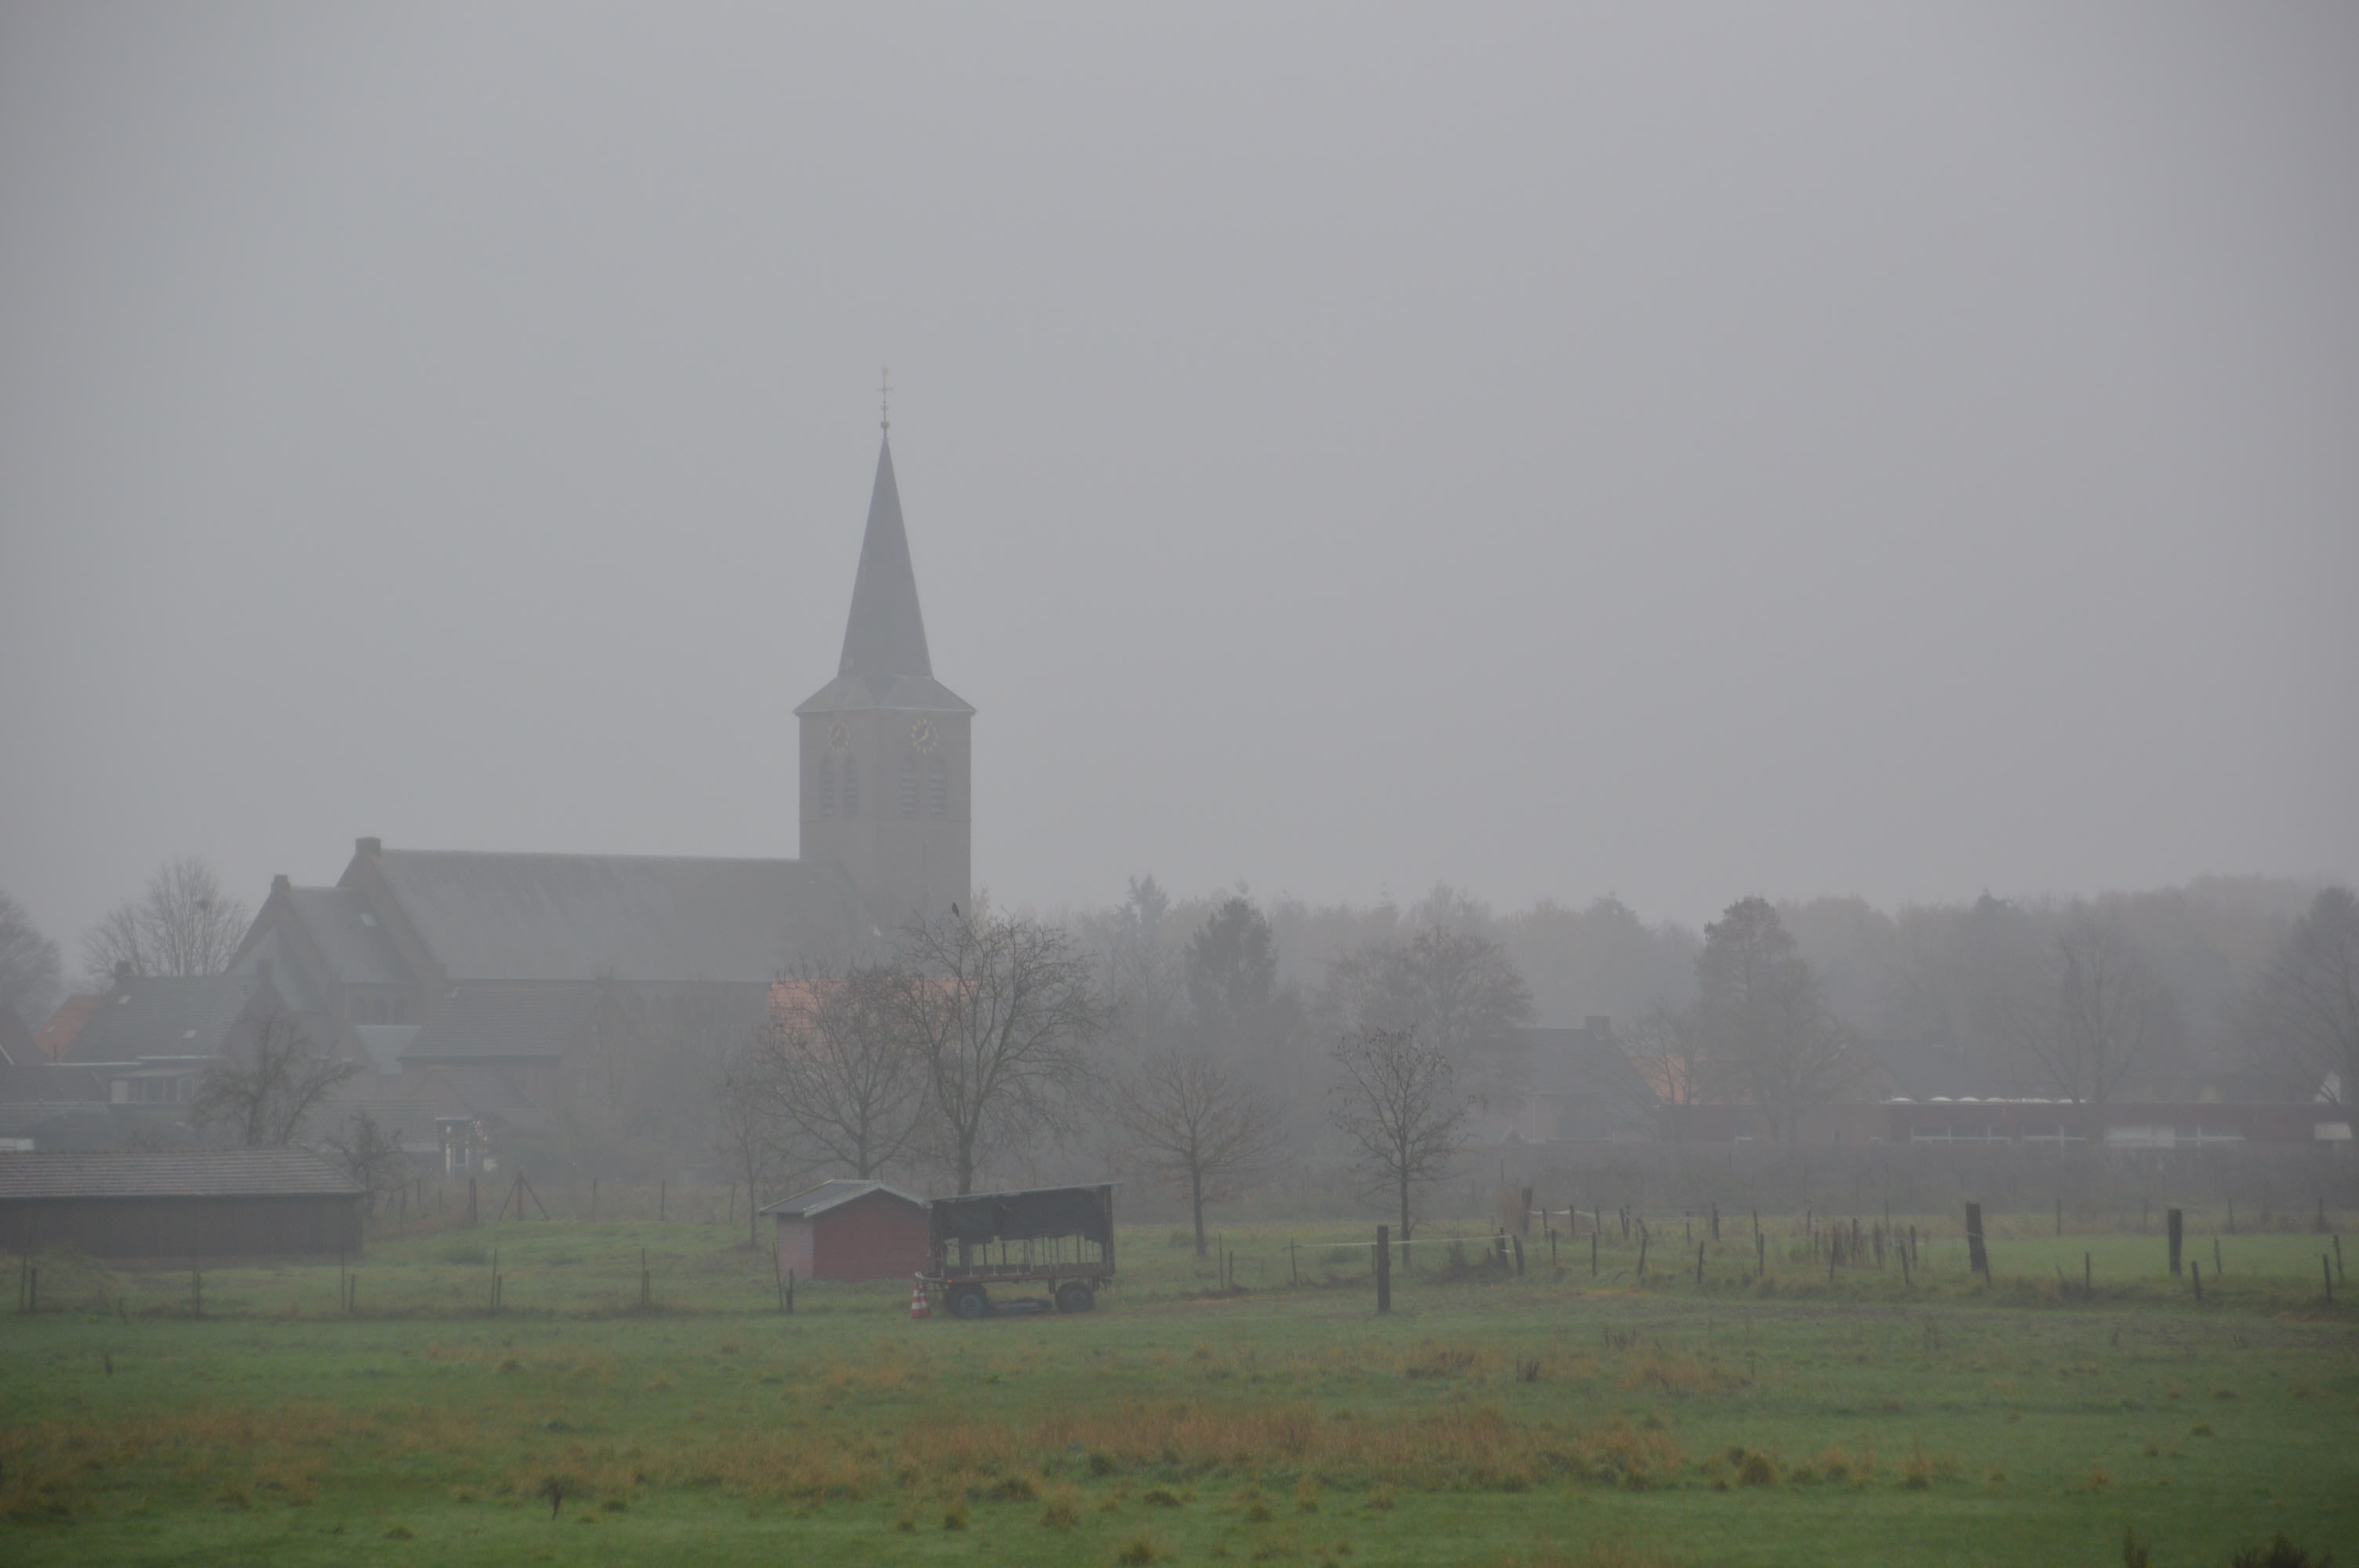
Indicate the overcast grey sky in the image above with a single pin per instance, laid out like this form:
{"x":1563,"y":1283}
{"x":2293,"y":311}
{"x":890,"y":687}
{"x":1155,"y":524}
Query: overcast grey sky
{"x":1671,"y":450}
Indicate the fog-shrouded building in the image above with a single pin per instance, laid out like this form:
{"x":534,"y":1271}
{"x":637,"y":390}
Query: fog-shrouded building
{"x":519,"y":968}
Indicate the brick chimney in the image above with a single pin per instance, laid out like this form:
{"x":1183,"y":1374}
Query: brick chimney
{"x":371,"y":848}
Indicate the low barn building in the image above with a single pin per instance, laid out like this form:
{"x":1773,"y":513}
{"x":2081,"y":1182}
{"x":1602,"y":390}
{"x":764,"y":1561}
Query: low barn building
{"x":851,"y":1230}
{"x":209,"y":1203}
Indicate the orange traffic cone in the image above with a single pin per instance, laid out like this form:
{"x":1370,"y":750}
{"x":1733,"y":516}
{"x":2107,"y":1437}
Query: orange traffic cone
{"x":918,"y":1308}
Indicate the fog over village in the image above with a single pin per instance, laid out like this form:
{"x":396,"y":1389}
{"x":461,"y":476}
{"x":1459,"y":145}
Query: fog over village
{"x":1541,"y":629}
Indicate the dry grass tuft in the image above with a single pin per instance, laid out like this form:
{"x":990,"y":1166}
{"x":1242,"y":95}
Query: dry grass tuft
{"x":1139,"y":1549}
{"x":1063,"y":1511}
{"x":1671,"y":1370}
{"x":1920,"y":1470}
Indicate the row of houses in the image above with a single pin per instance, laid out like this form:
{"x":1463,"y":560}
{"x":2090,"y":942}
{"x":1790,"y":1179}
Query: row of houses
{"x":474,"y":1041}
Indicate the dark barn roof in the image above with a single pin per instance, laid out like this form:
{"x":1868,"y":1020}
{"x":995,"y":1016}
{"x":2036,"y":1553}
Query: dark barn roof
{"x":834,"y":1194}
{"x":186,"y":1173}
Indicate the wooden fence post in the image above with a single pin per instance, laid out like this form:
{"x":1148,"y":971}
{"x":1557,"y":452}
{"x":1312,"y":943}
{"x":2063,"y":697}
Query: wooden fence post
{"x":2175,"y":1222}
{"x":1700,"y":1246}
{"x":1977,"y":1256}
{"x":1384,"y":1268}
{"x":2327,"y":1269}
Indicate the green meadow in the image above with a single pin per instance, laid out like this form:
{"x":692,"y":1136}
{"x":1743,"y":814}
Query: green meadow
{"x":1559,"y":1416}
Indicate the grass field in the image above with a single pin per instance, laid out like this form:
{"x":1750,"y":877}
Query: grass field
{"x":1554,"y":1417}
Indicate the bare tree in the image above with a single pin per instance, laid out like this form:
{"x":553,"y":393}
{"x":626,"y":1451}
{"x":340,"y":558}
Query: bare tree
{"x":1197,"y":1129}
{"x":2303,"y":1012}
{"x":1143,"y":986}
{"x":1396,"y":1099}
{"x":185,"y":924}
{"x":1666,"y":1040}
{"x":272,"y":1077}
{"x":370,"y":1155}
{"x":1003,"y":1015}
{"x":1454,"y":989}
{"x":31,"y":969}
{"x":832,"y":1074}
{"x":746,"y":1138}
{"x":2089,"y":1014}
{"x":1763,"y":1027}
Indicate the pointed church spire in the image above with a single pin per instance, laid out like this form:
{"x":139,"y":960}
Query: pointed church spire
{"x":886,"y":634}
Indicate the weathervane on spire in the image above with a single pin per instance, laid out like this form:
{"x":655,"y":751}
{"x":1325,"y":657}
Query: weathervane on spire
{"x":884,"y":398}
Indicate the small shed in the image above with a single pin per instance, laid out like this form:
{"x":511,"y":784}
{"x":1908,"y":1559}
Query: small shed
{"x":851,"y":1230}
{"x":194,"y":1202}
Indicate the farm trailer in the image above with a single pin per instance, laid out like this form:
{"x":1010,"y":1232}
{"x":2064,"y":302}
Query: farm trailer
{"x":1059,"y":1236}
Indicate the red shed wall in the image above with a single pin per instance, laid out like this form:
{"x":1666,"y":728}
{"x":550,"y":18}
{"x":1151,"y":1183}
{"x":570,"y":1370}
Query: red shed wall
{"x":877,"y":1237}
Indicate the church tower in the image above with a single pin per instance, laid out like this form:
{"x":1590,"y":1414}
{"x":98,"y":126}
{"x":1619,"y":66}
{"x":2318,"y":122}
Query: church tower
{"x":885,"y":759}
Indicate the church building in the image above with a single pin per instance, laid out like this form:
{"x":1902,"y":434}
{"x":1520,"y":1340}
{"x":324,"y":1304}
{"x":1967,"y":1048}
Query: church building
{"x":492,"y":978}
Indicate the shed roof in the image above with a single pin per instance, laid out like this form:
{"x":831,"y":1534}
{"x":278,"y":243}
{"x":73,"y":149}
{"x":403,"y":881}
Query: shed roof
{"x":835,"y":1195}
{"x":181,"y":1174}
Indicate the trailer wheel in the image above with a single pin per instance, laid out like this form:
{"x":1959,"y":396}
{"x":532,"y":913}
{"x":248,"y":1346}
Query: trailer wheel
{"x":1075,"y":1296}
{"x":969,"y":1303}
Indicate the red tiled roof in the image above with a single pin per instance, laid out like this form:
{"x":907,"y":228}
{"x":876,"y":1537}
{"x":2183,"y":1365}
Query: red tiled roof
{"x":52,"y":1038}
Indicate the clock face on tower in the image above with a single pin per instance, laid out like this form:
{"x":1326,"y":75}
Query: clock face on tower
{"x":838,"y":736}
{"x":921,"y":734}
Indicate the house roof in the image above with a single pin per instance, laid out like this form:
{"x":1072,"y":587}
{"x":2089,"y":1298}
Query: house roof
{"x":349,"y":937}
{"x":52,"y":1038}
{"x":635,"y":917}
{"x":163,"y":1015}
{"x":192,"y":1172}
{"x":834,"y":1194}
{"x":1602,"y":1092}
{"x":886,"y":663}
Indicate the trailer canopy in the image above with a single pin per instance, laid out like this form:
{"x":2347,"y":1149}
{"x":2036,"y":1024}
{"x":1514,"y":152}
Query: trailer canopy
{"x":1084,"y":1212}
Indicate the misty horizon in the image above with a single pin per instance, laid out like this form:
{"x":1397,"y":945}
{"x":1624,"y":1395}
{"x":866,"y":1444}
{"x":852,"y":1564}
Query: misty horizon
{"x":1845,"y":454}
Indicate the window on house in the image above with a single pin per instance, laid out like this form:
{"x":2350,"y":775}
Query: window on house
{"x":908,"y":787}
{"x":938,"y":787}
{"x":826,"y":787}
{"x":851,"y":786}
